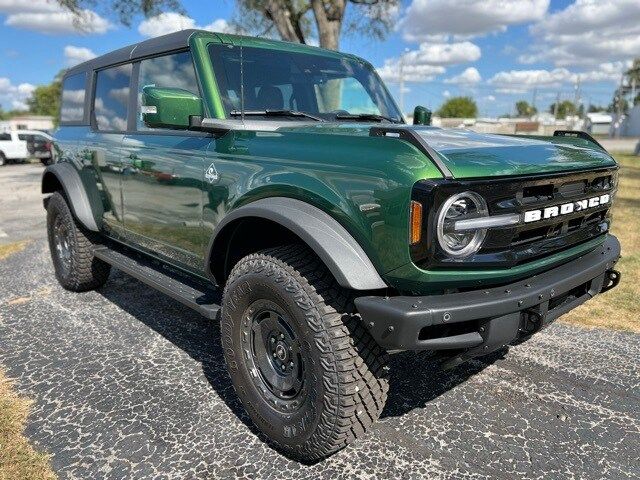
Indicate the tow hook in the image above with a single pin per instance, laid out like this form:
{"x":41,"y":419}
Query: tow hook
{"x":611,"y":279}
{"x":531,"y":321}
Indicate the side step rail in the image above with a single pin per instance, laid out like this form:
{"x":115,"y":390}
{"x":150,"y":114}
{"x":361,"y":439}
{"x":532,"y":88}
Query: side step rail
{"x":200,"y":298}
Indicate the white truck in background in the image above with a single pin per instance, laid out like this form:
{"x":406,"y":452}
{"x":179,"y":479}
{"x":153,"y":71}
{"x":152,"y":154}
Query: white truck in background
{"x":11,"y":147}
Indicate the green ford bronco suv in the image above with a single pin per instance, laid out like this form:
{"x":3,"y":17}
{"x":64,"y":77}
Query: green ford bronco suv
{"x":277,"y":189}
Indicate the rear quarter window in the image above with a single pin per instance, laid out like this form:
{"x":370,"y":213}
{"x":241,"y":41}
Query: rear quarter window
{"x":73,"y":96}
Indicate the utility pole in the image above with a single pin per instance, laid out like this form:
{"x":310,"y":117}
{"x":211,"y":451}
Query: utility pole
{"x":576,"y":99}
{"x":402,"y":81}
{"x":619,"y":107}
{"x":533,"y":101}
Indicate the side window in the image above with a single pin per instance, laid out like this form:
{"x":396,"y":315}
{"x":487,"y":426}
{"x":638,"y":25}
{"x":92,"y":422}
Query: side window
{"x":73,"y":95}
{"x":112,"y":98}
{"x":5,"y":137}
{"x":169,"y":71}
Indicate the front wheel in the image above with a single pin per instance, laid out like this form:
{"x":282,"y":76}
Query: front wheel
{"x":306,"y":370}
{"x":3,"y":159}
{"x":71,"y":248}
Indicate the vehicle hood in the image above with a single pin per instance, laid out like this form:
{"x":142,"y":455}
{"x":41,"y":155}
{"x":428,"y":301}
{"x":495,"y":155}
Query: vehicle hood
{"x":469,"y":154}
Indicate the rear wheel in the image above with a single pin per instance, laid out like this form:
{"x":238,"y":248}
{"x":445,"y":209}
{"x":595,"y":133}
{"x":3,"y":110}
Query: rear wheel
{"x":71,"y":248}
{"x":3,"y":159}
{"x":308,"y":373}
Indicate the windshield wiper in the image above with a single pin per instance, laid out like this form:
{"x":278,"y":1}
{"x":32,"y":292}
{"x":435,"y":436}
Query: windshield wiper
{"x":275,"y":113}
{"x":366,"y":116}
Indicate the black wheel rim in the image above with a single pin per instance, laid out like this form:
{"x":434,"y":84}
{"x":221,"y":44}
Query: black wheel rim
{"x":275,"y":360}
{"x":62,"y":242}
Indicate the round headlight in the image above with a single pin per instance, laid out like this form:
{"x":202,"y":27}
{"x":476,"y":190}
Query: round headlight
{"x":462,"y":206}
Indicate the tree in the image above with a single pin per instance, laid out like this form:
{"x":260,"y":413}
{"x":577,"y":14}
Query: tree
{"x":459,"y":107}
{"x":294,"y":20}
{"x":524,"y":109}
{"x":563,"y":109}
{"x":45,"y":99}
{"x":596,"y":108}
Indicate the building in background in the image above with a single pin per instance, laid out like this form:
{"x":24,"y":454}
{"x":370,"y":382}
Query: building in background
{"x":598,"y":123}
{"x":28,"y":122}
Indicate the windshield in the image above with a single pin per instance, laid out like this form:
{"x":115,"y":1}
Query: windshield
{"x":323,"y":86}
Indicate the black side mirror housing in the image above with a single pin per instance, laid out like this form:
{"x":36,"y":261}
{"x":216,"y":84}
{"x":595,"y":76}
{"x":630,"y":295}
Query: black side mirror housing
{"x":421,"y":116}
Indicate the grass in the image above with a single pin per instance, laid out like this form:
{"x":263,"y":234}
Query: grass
{"x":619,"y":308}
{"x":18,"y":459}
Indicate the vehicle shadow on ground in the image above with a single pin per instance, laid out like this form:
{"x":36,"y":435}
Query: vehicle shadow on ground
{"x":415,"y":378}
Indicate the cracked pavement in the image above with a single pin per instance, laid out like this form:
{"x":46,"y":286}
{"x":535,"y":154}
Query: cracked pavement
{"x":128,"y":383}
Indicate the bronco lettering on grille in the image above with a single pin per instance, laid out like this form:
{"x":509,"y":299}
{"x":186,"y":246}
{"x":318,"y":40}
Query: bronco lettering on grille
{"x":565,"y":208}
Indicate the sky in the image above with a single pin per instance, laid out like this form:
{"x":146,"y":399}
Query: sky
{"x":497,"y":51}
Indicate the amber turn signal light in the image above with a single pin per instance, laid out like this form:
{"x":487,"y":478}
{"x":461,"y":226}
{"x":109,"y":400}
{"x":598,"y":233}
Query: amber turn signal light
{"x":416,"y":222}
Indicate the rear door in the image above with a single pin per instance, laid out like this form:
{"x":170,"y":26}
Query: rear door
{"x":164,"y":172}
{"x":102,"y":146}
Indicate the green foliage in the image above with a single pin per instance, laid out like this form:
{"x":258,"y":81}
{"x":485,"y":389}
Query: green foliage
{"x":596,"y":108}
{"x":459,"y":107}
{"x":524,"y":109}
{"x":634,"y":72}
{"x":45,"y":100}
{"x":564,"y":109}
{"x":124,"y":10}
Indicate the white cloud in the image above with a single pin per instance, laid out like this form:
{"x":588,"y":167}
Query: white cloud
{"x":219,"y":25}
{"x":587,"y":32}
{"x":444,"y":53}
{"x":15,"y":95}
{"x":446,"y":93}
{"x":524,"y":79}
{"x":469,"y":77}
{"x":425,"y":18}
{"x":76,"y":55}
{"x":520,"y":81}
{"x":169,"y":22}
{"x":165,"y":23}
{"x":22,"y":6}
{"x":428,"y":61}
{"x":390,"y":72}
{"x":48,"y":17}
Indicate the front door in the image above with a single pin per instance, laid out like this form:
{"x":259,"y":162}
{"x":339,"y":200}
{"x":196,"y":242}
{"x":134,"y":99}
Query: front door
{"x":163,"y":174}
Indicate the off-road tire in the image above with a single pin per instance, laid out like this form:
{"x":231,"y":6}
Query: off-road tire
{"x":84,"y":271}
{"x":345,"y":369}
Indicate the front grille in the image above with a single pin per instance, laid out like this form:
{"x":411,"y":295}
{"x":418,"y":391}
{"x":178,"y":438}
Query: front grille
{"x":514,"y":245}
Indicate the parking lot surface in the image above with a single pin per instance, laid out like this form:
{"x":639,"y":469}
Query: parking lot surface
{"x":129,"y":384}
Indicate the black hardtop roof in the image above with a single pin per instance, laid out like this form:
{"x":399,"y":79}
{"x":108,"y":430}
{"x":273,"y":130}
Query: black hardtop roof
{"x":153,"y":46}
{"x":177,"y":41}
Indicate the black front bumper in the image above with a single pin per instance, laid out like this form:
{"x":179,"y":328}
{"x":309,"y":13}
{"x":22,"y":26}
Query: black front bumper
{"x":480,"y":321}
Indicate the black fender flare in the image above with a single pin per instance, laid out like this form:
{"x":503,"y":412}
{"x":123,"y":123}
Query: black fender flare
{"x":74,"y":191}
{"x":335,"y":246}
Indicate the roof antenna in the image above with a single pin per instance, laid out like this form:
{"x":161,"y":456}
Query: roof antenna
{"x":241,"y":85}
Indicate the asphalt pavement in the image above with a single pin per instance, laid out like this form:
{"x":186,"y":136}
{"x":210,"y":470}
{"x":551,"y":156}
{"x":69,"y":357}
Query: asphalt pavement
{"x":129,"y":384}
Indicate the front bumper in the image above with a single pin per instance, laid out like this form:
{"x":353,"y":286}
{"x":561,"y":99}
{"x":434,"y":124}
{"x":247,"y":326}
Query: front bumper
{"x":480,"y":321}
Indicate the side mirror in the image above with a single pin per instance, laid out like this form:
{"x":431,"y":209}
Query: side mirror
{"x":169,"y":107}
{"x":421,"y":116}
